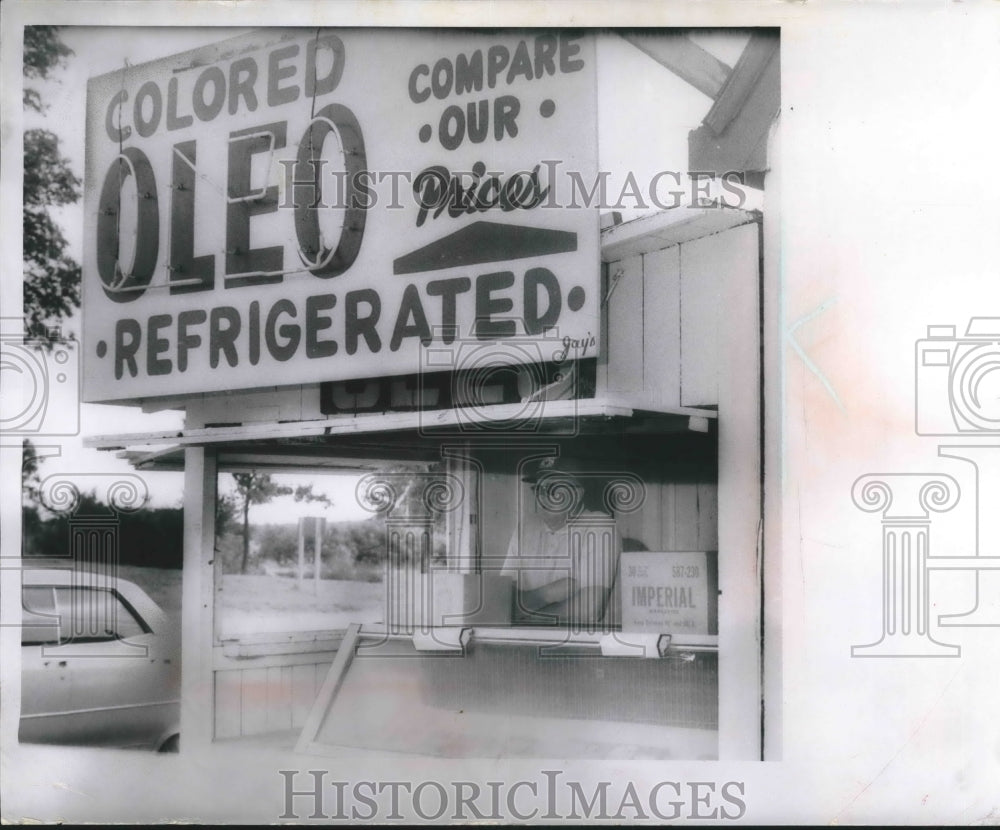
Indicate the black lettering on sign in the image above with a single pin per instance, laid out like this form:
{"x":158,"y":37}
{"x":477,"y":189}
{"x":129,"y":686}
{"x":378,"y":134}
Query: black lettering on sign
{"x":477,"y":120}
{"x":418,"y":96}
{"x":254,"y":333}
{"x":356,"y":326}
{"x":535,"y":278}
{"x":451,"y":129}
{"x":276,"y":73}
{"x":448,"y":291}
{"x":520,"y":191}
{"x":290,"y":332}
{"x":116,"y":134}
{"x":568,"y":47}
{"x":147,"y":126}
{"x":328,"y":83}
{"x":350,"y":396}
{"x":156,"y":345}
{"x":408,"y":393}
{"x":520,"y":64}
{"x":206,"y":110}
{"x":242,"y":77}
{"x":545,"y":52}
{"x":487,"y":305}
{"x":431,"y":189}
{"x":175,"y":121}
{"x":222,"y":338}
{"x":469,"y":72}
{"x":410,"y":307}
{"x":125,"y":284}
{"x":505,"y":111}
{"x":317,"y":322}
{"x":442,"y":77}
{"x":128,"y":337}
{"x":472,"y":122}
{"x":186,"y":341}
{"x":497,"y":59}
{"x":246,"y":265}
{"x":187,"y":272}
{"x":322,"y":261}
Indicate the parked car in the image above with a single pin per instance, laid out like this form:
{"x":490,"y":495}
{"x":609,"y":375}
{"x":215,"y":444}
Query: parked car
{"x":100,"y":664}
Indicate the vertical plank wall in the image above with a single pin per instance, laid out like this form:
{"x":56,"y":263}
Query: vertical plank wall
{"x":679,"y":294}
{"x":675,"y":516}
{"x":671,"y":360}
{"x":266,"y":698}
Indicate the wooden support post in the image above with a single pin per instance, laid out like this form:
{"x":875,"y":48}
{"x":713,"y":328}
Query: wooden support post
{"x":462,"y":524}
{"x":774,"y":429}
{"x":302,"y":553}
{"x":197,"y":600}
{"x":317,"y":551}
{"x":684,"y":58}
{"x":736,"y":251}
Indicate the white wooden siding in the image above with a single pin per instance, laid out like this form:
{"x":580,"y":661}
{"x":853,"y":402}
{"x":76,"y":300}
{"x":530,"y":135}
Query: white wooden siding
{"x":266,"y":698}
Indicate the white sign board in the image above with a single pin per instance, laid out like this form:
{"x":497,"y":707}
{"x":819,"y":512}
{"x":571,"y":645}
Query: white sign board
{"x":304,"y":206}
{"x":665,"y":593}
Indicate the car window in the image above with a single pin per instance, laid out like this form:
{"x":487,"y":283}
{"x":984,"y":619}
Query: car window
{"x":39,"y":621}
{"x":89,"y":614}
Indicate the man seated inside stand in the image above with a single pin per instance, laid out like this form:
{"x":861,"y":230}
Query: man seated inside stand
{"x":563,"y":557}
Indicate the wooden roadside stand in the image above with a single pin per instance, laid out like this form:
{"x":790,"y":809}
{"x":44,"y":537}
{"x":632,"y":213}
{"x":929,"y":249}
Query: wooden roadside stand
{"x":246,"y":263}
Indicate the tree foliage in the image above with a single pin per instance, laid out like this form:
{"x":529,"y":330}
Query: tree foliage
{"x":44,"y":52}
{"x":31,"y":481}
{"x":225,"y":514}
{"x":259,"y":488}
{"x":150,"y":537}
{"x":254,"y":488}
{"x":51,"y":275}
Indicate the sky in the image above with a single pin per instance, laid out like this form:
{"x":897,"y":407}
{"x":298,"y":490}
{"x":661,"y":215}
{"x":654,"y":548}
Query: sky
{"x":627,"y":79}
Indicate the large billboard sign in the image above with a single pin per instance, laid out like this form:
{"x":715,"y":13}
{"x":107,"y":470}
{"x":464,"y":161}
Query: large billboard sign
{"x":298,"y":206}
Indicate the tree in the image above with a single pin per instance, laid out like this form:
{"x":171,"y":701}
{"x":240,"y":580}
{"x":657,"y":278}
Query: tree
{"x":254,"y":488}
{"x":43,"y":52}
{"x":31,"y":481}
{"x":51,"y":275}
{"x":225,"y":513}
{"x":304,"y":492}
{"x":260,"y":488}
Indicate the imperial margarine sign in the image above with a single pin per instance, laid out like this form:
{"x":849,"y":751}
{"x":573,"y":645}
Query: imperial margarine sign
{"x":298,"y":206}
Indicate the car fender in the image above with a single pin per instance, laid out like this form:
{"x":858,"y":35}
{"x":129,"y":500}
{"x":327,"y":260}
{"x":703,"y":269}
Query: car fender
{"x":166,"y":735}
